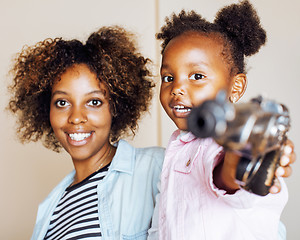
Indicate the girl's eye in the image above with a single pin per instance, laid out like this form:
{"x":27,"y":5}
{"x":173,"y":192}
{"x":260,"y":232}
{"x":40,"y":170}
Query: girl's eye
{"x":61,"y":103}
{"x":167,"y":79}
{"x":94,"y":103}
{"x":197,"y":76}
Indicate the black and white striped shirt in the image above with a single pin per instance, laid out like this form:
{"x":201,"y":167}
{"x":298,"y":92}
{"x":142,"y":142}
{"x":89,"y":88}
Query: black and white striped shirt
{"x":76,"y":215}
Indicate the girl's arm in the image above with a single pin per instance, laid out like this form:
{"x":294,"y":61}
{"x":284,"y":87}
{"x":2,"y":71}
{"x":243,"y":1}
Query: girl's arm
{"x":225,"y":172}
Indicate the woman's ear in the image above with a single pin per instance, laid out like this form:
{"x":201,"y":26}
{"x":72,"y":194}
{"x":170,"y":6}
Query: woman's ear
{"x":238,"y":87}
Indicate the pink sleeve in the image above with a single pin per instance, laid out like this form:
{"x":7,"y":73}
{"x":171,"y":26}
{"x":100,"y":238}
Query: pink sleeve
{"x":242,"y":198}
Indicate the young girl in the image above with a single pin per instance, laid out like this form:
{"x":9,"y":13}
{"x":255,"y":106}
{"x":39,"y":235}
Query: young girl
{"x":84,"y":97}
{"x":199,"y":197}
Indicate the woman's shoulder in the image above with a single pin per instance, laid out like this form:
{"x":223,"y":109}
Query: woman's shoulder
{"x":145,"y":154}
{"x":155,"y":152}
{"x":54,"y":196}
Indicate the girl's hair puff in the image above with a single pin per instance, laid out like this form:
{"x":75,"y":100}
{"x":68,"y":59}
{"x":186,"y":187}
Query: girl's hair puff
{"x":110,"y":53}
{"x":238,"y":25}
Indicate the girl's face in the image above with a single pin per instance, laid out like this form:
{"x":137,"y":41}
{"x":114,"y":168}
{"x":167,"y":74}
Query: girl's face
{"x":80,"y":113}
{"x":192,"y":71}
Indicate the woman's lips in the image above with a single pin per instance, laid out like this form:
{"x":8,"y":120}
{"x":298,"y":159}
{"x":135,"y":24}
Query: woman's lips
{"x":79,"y":136}
{"x":79,"y":139}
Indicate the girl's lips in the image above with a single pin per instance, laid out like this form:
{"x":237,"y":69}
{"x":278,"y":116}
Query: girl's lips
{"x":79,"y":139}
{"x":181,"y":111}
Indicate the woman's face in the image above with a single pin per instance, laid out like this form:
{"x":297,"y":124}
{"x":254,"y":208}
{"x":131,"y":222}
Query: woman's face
{"x":192,"y":71}
{"x":80,"y":113}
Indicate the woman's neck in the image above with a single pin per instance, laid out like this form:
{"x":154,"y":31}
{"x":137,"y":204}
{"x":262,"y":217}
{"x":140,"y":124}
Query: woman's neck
{"x":85,"y":168}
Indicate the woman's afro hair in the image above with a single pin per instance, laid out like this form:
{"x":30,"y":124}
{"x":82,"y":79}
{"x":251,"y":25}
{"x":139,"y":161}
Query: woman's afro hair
{"x":238,"y":24}
{"x":110,"y":53}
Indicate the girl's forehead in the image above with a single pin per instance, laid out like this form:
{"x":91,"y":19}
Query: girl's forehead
{"x":208,"y":46}
{"x":191,"y":51}
{"x":200,"y":38}
{"x":213,"y":45}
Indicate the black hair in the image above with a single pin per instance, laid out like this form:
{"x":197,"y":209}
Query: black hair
{"x":238,"y":25}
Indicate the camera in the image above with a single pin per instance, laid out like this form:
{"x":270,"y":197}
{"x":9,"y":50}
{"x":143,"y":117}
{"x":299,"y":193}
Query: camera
{"x":255,"y":130}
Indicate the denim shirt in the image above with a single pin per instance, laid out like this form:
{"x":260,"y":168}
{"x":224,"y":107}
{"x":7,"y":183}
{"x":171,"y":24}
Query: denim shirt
{"x":126,"y":195}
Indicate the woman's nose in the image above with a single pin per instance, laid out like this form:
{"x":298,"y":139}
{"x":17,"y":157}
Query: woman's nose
{"x":77,"y":116}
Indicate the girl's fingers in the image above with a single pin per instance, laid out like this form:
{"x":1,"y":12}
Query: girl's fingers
{"x":283,"y":171}
{"x":288,"y":154}
{"x":276,"y":187}
{"x":286,"y":160}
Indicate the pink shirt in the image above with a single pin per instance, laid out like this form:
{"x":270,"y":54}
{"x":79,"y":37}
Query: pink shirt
{"x":191,"y":207}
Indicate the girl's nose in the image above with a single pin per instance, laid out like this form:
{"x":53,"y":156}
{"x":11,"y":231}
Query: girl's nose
{"x":77,"y":116}
{"x":177,"y":89}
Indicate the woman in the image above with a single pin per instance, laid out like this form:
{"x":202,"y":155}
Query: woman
{"x":84,"y":97}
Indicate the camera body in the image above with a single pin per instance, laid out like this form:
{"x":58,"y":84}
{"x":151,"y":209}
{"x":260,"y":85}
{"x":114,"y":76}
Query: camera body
{"x":256,"y":130}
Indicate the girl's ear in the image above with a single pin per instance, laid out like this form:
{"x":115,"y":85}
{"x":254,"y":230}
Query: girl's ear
{"x":238,"y":88}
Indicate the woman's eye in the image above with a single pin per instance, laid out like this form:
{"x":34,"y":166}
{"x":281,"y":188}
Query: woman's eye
{"x":197,"y":76}
{"x":167,"y":79}
{"x":61,"y":103}
{"x":94,"y":103}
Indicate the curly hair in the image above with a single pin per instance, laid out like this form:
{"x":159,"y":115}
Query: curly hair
{"x":110,"y":53}
{"x":237,"y":24}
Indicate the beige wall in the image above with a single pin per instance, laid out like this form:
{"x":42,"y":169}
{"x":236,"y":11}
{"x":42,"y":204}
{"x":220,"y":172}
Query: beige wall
{"x":29,"y":172}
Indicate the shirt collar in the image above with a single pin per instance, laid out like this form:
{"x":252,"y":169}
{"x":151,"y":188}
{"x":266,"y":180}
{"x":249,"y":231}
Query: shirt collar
{"x":184,"y":136}
{"x":124,"y":158}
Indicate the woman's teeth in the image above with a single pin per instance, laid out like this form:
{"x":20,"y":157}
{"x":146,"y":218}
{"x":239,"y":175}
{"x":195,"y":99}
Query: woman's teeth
{"x":79,"y":136}
{"x":182,"y":109}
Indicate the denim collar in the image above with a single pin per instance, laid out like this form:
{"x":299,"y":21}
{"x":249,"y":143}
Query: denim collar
{"x":124,"y":158}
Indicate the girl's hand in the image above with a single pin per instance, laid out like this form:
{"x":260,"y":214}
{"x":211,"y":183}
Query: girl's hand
{"x":284,"y":170}
{"x":224,"y":174}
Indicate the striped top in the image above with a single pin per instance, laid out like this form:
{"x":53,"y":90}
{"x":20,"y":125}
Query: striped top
{"x":76,"y":215}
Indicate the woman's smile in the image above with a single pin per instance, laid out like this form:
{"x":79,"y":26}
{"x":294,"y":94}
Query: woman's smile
{"x":79,"y":136}
{"x":79,"y":139}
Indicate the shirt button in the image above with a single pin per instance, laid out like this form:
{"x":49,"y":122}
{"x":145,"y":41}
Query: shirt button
{"x":188,"y":163}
